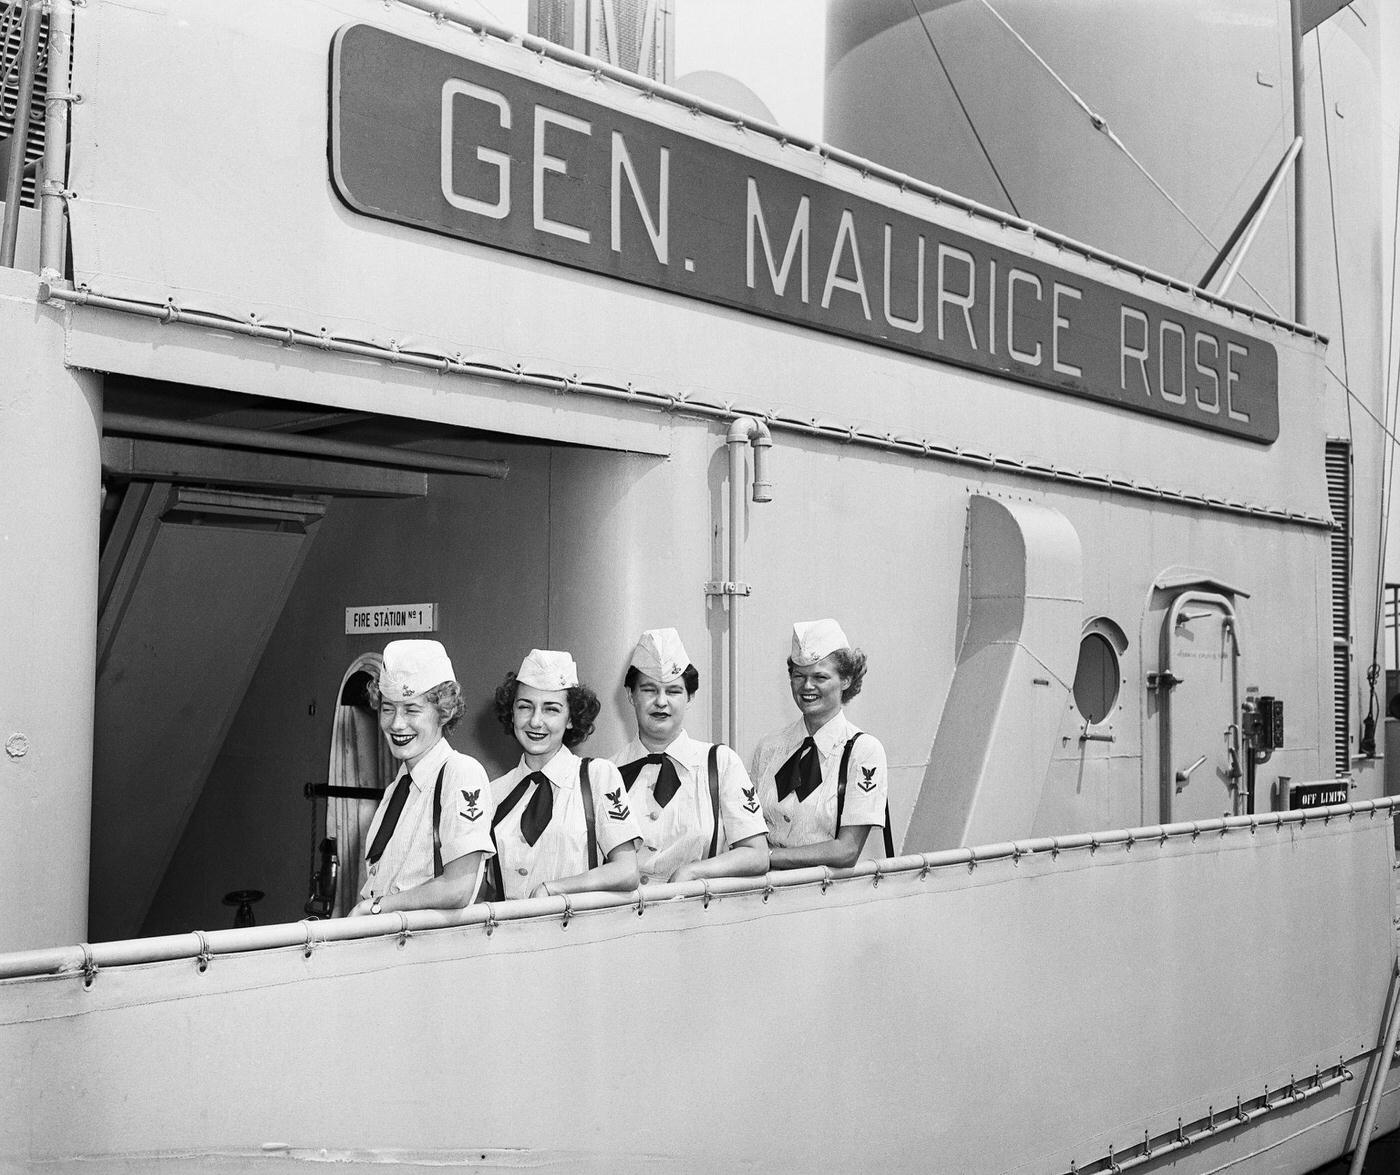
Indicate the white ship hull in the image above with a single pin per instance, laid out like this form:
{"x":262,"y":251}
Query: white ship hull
{"x":1167,"y":987}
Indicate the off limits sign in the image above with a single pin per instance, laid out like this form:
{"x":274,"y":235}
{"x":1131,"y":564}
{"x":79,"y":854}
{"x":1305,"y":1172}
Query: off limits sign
{"x":424,"y":137}
{"x":370,"y":619}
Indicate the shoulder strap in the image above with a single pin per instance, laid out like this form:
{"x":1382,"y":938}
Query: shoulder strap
{"x":589,"y":815}
{"x":503,"y":810}
{"x":841,"y":795}
{"x":714,"y":796}
{"x":437,"y":822}
{"x":841,"y":779}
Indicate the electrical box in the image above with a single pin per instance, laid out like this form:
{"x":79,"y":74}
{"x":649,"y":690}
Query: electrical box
{"x":1271,"y":722}
{"x":1261,"y":722}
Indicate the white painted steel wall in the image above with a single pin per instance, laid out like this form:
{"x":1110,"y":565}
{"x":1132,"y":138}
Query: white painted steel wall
{"x":49,"y":502}
{"x":310,"y":263}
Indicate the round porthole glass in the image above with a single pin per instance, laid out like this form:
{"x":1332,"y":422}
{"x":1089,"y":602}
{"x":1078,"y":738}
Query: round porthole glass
{"x":1096,"y":678}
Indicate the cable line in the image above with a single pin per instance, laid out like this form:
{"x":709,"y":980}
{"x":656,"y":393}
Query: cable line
{"x":1100,"y":123}
{"x":963,"y":106}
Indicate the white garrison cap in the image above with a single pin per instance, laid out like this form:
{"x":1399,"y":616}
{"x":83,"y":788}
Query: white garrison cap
{"x":814,"y":639}
{"x":660,"y":655}
{"x":412,"y":668}
{"x":548,"y":669}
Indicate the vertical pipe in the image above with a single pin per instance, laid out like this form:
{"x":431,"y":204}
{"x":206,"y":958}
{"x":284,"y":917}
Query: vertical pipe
{"x":14,"y":179}
{"x":53,"y":178}
{"x":736,"y":522}
{"x":1300,"y":266}
{"x":744,"y":430}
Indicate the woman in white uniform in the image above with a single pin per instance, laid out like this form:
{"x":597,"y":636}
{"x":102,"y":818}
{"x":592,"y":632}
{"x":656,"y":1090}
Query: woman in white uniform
{"x":823,"y":782}
{"x":432,"y":830}
{"x":698,"y":811}
{"x":563,"y":824}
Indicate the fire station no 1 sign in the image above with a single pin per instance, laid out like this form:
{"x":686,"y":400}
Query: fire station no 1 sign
{"x":377,"y":618}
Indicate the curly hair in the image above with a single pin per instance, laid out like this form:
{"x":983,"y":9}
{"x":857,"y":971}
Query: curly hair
{"x":849,"y":663}
{"x":583,"y":710}
{"x":691,"y":678}
{"x":445,"y":698}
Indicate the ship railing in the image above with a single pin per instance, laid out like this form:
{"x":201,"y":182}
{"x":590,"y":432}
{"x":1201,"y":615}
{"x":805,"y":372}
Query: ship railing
{"x":203,"y":945}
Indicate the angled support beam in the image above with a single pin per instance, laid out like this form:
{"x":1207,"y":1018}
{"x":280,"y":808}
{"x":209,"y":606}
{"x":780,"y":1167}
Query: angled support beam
{"x":1248,"y":226}
{"x":162,"y":461}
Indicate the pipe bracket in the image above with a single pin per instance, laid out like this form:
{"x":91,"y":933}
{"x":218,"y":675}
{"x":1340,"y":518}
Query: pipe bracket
{"x":727,"y":587}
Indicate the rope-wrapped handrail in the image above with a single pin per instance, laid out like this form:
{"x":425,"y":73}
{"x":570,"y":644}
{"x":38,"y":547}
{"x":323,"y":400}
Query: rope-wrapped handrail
{"x":726,"y":412}
{"x":90,"y":958}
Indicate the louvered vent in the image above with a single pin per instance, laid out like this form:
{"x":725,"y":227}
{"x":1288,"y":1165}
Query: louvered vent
{"x":1338,"y":461}
{"x":633,"y":34}
{"x":12,"y":16}
{"x":628,"y":15}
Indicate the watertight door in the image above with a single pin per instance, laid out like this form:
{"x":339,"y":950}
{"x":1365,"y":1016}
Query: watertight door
{"x":1198,"y":690}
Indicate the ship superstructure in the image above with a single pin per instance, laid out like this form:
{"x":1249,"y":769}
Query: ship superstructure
{"x":348,"y":319}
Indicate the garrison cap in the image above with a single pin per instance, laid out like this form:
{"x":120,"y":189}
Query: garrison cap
{"x":660,"y":655}
{"x":548,"y":669}
{"x":412,"y":668}
{"x":814,"y":639}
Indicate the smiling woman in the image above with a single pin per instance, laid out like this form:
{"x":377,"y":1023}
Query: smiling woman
{"x":428,"y":840}
{"x":803,"y":770}
{"x":559,"y":813}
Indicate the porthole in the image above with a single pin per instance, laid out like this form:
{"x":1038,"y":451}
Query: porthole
{"x":1096,"y":677}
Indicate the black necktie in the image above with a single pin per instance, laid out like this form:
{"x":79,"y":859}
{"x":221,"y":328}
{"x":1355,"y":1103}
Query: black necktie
{"x":538,"y":809}
{"x":801,"y":774}
{"x":668,"y":783}
{"x":391,"y":819}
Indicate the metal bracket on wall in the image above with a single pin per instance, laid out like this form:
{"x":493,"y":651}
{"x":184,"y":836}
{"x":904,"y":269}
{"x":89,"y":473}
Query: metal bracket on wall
{"x":727,"y":587}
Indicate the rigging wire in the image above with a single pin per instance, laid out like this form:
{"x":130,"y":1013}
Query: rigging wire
{"x":972,"y":126}
{"x":1367,"y":743}
{"x":1100,"y":123}
{"x":1392,"y":399}
{"x":1392,"y":392}
{"x":1387,"y":430}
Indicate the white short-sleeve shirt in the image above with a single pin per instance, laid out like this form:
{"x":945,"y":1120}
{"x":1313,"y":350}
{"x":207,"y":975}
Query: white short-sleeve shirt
{"x":793,"y":822}
{"x":464,"y":827}
{"x":680,"y":832}
{"x":562,"y":848}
